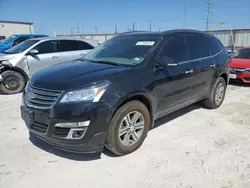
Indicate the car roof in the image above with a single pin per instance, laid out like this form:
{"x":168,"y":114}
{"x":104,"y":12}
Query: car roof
{"x":163,"y":33}
{"x":23,"y":35}
{"x":89,"y":41}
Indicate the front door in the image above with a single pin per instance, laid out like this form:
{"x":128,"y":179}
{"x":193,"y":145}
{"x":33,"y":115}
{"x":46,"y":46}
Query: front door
{"x":174,"y":86}
{"x":47,"y":56}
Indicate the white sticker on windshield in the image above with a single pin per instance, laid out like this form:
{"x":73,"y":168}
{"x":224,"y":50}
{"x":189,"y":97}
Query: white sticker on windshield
{"x":145,"y":43}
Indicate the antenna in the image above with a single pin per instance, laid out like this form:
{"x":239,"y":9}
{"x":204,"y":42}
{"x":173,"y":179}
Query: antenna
{"x":208,"y":13}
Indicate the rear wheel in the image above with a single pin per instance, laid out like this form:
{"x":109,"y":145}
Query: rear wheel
{"x":128,"y":128}
{"x":217,"y":94}
{"x":13,"y":82}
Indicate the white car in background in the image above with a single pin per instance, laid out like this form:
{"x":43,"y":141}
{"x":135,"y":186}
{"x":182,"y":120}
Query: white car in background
{"x":20,"y":62}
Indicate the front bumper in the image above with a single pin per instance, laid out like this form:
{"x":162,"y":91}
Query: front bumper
{"x":41,"y":123}
{"x":243,"y":77}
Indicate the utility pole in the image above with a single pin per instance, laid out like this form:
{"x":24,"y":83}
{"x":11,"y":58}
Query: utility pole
{"x":96,"y":29}
{"x":208,"y":13}
{"x":185,"y":16}
{"x":115,"y":28}
{"x":77,"y":27}
{"x":150,"y":26}
{"x":71,"y":32}
{"x":133,"y":26}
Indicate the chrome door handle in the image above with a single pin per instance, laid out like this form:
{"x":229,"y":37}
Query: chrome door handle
{"x":189,"y":71}
{"x":212,"y":66}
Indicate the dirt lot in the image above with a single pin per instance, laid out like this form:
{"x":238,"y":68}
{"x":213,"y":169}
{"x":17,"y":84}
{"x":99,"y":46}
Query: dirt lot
{"x":191,"y":148}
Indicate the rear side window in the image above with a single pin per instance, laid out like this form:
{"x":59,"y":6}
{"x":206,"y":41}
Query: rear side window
{"x":84,"y":46}
{"x":67,"y":45}
{"x":214,"y":45}
{"x":176,"y":49}
{"x":46,"y":47}
{"x":198,"y":46}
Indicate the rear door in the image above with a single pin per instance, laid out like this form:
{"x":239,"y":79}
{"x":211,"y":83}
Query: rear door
{"x":84,"y":48}
{"x":47,"y":56}
{"x":201,"y":50}
{"x":68,"y":50}
{"x":175,"y":85}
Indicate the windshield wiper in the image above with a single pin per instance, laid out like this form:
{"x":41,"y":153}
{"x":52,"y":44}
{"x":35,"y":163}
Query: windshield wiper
{"x":108,"y":62}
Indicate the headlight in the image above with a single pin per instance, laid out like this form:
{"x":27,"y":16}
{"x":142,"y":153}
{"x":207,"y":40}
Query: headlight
{"x":6,"y":63}
{"x":90,"y":94}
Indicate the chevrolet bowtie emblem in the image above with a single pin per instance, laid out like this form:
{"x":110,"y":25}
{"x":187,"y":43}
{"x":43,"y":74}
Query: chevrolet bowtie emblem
{"x":30,"y":95}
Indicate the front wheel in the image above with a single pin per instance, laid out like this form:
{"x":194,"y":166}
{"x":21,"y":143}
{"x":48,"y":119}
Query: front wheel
{"x":217,"y":94}
{"x":128,"y":128}
{"x":13,"y":82}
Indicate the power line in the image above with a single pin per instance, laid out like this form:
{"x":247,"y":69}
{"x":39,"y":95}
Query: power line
{"x":209,"y":12}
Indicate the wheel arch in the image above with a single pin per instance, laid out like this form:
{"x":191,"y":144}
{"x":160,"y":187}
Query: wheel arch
{"x":143,"y":98}
{"x":225,"y":76}
{"x":26,"y":77}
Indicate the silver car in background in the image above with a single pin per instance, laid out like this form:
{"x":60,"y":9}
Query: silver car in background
{"x":21,"y":61}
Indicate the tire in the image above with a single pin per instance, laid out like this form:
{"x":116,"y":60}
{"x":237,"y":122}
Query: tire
{"x":13,"y":82}
{"x":114,"y":141}
{"x":211,"y":102}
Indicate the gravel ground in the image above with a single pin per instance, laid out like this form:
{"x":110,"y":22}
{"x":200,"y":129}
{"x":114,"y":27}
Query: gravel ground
{"x":192,"y":148}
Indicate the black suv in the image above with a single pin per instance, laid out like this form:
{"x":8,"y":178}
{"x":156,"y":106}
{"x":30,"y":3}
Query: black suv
{"x":112,"y":96}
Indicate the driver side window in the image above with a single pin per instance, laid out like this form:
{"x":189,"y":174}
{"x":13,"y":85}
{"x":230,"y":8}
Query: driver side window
{"x":175,"y":48}
{"x":46,"y":47}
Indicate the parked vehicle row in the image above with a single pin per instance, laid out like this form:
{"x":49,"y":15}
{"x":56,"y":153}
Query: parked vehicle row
{"x":111,"y":97}
{"x":13,"y":40}
{"x":20,"y":62}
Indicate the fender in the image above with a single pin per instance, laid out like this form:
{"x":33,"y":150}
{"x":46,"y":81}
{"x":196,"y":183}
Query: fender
{"x":138,"y":94}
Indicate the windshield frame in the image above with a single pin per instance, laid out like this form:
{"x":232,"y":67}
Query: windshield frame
{"x":9,"y":51}
{"x":150,"y":37}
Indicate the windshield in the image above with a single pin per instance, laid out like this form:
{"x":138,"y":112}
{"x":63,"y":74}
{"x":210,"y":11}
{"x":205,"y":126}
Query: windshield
{"x":7,"y":40}
{"x":242,"y":54}
{"x":21,"y":47}
{"x":126,"y":50}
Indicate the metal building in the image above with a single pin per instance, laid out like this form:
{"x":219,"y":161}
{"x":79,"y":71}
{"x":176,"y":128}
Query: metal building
{"x":11,"y":27}
{"x":231,"y":39}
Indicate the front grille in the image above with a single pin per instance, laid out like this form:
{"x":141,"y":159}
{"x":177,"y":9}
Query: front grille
{"x":39,"y":127}
{"x":41,"y":98}
{"x":61,"y":132}
{"x":239,"y":70}
{"x":247,"y":78}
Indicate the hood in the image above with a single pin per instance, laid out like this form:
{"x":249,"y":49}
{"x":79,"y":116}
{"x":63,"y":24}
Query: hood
{"x":6,"y":56}
{"x":240,"y":63}
{"x":71,"y":75}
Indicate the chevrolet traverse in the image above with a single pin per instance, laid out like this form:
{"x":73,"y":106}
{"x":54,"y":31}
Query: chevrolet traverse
{"x":111,"y":97}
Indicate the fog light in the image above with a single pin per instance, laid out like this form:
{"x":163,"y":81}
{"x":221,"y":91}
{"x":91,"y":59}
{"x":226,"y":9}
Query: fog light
{"x":73,"y":124}
{"x":76,"y":133}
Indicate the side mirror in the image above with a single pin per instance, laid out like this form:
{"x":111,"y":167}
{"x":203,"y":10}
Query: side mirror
{"x":33,"y":52}
{"x":166,"y":62}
